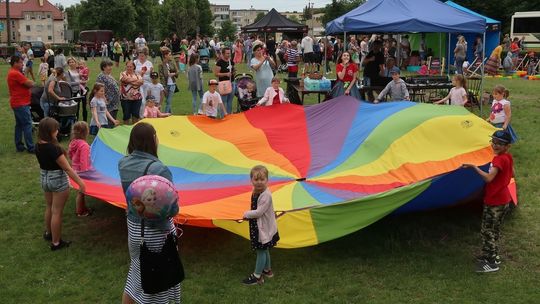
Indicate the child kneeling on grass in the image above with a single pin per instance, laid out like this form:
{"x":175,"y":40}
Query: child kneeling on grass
{"x":496,"y":200}
{"x":262,"y":225}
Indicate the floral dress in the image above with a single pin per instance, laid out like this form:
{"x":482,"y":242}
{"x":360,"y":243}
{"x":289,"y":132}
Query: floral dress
{"x":254,"y":229}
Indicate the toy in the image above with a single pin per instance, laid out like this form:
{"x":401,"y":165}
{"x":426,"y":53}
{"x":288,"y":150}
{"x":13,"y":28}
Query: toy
{"x":152,"y":197}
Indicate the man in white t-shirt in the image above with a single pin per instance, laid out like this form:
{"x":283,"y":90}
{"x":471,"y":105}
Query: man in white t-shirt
{"x":309,"y":57}
{"x":212,"y":100}
{"x":140,"y":42}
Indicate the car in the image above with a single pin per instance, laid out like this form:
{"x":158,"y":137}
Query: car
{"x":38,"y":47}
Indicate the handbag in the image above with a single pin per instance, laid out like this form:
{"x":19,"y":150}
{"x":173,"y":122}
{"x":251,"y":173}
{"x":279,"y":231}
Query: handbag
{"x":225,"y":86}
{"x":160,"y":270}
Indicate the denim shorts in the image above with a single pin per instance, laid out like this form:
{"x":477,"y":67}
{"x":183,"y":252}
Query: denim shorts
{"x":54,"y":180}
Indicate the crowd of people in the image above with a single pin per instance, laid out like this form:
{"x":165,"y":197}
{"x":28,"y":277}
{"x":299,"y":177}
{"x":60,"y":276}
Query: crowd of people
{"x":143,"y":89}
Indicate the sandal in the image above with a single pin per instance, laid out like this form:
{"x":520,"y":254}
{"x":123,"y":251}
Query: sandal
{"x":47,"y":236}
{"x":60,"y":245}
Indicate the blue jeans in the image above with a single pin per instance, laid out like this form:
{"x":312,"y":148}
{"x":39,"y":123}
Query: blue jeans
{"x":170,"y":92}
{"x":196,"y":106}
{"x":249,"y":55}
{"x":228,"y":99}
{"x":45,"y":106}
{"x":23,"y":127}
{"x":459,"y":64}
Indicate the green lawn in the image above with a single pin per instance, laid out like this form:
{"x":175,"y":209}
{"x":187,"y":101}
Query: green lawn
{"x":416,"y":258}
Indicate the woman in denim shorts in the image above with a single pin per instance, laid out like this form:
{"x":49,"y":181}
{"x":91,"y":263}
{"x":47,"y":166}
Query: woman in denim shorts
{"x":55,"y":170}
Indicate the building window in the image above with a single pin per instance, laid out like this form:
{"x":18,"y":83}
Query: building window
{"x":49,"y":27}
{"x":13,"y":37}
{"x":48,"y":16}
{"x":49,"y":38}
{"x":28,"y":28}
{"x":39,"y":17}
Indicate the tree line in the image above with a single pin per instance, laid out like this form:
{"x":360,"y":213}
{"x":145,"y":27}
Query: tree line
{"x":154,"y":18}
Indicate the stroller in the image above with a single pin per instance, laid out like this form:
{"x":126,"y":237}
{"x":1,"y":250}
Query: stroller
{"x":282,"y":67}
{"x":246,"y":92}
{"x":204,"y":59}
{"x":35,"y":107}
{"x":65,"y":111}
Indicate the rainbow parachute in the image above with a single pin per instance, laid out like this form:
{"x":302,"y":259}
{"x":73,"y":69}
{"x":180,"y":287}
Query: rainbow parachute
{"x":335,"y":167}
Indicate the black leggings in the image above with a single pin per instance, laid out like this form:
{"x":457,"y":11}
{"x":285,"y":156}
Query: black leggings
{"x":82,"y":104}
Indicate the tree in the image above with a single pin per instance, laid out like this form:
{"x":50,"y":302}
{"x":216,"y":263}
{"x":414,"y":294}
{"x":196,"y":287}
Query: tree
{"x":294,"y":18}
{"x":146,"y":12}
{"x":205,"y":18}
{"x":306,"y":13}
{"x":259,"y":16}
{"x":104,"y":14}
{"x":228,"y":29}
{"x":338,"y":8}
{"x":178,"y":16}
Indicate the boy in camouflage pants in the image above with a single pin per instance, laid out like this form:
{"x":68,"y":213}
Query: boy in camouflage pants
{"x":496,"y":199}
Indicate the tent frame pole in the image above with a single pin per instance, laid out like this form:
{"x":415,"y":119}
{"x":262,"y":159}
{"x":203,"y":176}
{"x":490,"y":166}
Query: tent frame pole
{"x":440,"y":53}
{"x":481,"y":93}
{"x":448,"y":63}
{"x":344,"y":41}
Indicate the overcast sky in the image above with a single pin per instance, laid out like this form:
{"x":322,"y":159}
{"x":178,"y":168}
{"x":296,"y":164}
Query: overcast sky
{"x":280,"y":5}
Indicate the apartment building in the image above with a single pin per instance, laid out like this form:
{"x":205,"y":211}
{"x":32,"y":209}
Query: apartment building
{"x":221,"y":14}
{"x":243,"y":17}
{"x":33,"y":20}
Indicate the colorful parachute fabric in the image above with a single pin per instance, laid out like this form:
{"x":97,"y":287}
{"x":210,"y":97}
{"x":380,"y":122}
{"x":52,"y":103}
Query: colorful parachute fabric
{"x":335,"y":167}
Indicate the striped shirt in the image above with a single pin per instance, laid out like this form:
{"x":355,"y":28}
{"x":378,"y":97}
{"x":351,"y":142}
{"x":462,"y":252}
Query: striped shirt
{"x":292,"y":55}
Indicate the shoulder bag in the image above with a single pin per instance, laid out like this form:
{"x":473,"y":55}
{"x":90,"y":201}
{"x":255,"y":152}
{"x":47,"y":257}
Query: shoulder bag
{"x":225,"y":86}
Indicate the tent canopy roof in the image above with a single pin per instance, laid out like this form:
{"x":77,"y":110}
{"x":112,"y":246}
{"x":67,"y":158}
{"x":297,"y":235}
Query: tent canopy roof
{"x":275,"y":22}
{"x":404,"y":16}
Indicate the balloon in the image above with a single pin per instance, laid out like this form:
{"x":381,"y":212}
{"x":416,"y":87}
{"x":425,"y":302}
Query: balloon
{"x":152,"y":197}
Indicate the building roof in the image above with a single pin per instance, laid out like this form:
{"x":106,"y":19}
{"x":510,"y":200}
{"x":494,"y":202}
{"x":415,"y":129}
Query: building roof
{"x":17,"y":9}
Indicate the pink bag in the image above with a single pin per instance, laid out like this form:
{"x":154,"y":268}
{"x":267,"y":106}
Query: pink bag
{"x":225,"y":87}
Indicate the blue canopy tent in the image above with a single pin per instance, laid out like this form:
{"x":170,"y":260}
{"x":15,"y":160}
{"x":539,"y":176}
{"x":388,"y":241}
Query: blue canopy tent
{"x":405,"y":16}
{"x":493,"y":33}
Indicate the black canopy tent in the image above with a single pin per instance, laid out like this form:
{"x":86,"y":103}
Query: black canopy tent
{"x":274,"y":22}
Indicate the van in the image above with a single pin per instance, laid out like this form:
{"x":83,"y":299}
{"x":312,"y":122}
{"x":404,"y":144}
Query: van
{"x":92,"y":39}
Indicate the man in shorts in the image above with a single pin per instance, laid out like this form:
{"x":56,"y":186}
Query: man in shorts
{"x":309,"y":55}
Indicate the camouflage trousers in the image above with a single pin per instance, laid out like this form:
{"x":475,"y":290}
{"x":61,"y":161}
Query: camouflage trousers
{"x":492,"y":218}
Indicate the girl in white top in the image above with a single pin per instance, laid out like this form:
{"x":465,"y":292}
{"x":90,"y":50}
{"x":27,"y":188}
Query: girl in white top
{"x":458,"y":94}
{"x":273,"y":95}
{"x":144,"y":68}
{"x":212,"y":100}
{"x":501,"y":113}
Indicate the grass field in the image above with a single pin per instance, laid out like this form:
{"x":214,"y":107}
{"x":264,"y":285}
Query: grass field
{"x":416,"y":258}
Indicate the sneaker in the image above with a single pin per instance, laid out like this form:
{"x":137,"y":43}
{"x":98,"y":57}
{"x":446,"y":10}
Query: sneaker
{"x":497,"y":260}
{"x":268,"y":273}
{"x":252,"y":280}
{"x":47,"y":236}
{"x":485,"y":266}
{"x":60,"y":245}
{"x":86,"y":213}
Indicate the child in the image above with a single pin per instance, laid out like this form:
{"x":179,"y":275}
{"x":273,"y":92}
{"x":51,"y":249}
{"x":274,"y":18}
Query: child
{"x":151,"y":111}
{"x":273,"y":95}
{"x":262,"y":225}
{"x":211,"y":100}
{"x":458,"y":94}
{"x":43,"y":70}
{"x":55,"y":170}
{"x":501,"y":114}
{"x":182,"y":61}
{"x":397,"y":87}
{"x":496,"y":199}
{"x":84,"y":74}
{"x":156,"y":89}
{"x":98,"y":107}
{"x":79,"y":153}
{"x":195,"y":82}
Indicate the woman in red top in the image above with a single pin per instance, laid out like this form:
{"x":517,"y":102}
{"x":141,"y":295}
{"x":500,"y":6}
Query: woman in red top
{"x":346,"y":72}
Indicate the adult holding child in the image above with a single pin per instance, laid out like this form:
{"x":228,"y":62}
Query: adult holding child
{"x":131,"y":99}
{"x":144,"y":68}
{"x":51,"y":90}
{"x":112,"y":91}
{"x":142,"y":159}
{"x":73,"y":77}
{"x":263,"y":66}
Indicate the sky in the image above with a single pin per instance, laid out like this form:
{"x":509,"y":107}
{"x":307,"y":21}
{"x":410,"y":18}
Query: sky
{"x":279,"y":5}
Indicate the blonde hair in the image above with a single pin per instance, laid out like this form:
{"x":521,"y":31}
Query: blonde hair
{"x":79,"y":130}
{"x":258,"y":171}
